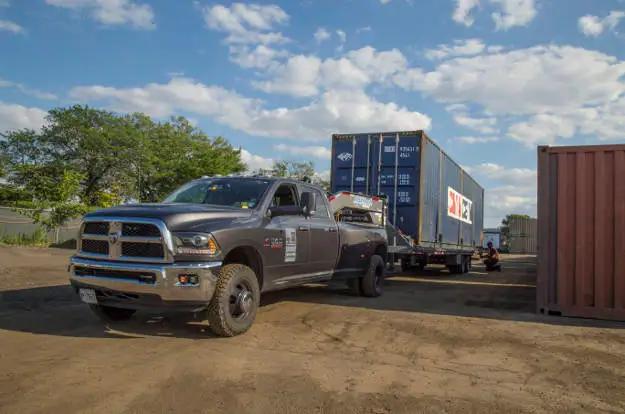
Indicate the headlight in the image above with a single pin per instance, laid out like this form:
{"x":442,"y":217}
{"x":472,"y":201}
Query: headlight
{"x":194,"y":244}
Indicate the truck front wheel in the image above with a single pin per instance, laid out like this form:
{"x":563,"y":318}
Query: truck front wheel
{"x":371,"y":283}
{"x":234,"y":305}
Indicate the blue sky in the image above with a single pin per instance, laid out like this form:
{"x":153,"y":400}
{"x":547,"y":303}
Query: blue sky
{"x":488,"y":79}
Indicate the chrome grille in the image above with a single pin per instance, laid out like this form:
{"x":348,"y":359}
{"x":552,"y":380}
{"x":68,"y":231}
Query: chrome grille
{"x":130,"y":239}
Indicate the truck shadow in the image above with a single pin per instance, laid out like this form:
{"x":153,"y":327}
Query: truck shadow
{"x":508,"y":295}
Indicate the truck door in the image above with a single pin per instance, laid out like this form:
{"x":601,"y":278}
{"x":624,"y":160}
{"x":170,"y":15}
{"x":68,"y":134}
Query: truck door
{"x":324,"y":236}
{"x":286,"y":241}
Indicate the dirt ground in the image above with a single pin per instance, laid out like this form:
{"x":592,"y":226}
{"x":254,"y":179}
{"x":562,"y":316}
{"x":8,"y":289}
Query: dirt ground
{"x":433,"y":343}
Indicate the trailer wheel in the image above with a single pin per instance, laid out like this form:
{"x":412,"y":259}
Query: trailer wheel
{"x":371,"y":284}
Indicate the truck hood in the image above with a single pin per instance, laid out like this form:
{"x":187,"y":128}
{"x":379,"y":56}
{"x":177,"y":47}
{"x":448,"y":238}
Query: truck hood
{"x":179,"y":216}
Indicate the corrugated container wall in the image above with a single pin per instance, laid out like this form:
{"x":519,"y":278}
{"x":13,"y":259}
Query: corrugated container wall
{"x":522,"y":244}
{"x":430,"y":197}
{"x":581,"y":234}
{"x":524,"y":227}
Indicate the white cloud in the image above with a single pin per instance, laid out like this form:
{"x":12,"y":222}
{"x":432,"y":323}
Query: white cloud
{"x":312,"y":151}
{"x":594,"y":26}
{"x":476,"y":140}
{"x":14,"y":116}
{"x":36,"y":92}
{"x":462,"y":12}
{"x":460,"y":114}
{"x":334,"y":111}
{"x":247,"y":23}
{"x":8,"y":26}
{"x":466,"y":47}
{"x":385,"y":1}
{"x":5,"y":3}
{"x":342,"y":36}
{"x":113,"y":12}
{"x":562,"y":89}
{"x":304,"y":76}
{"x":482,"y":125}
{"x":321,"y":34}
{"x":261,"y":57}
{"x":33,"y":92}
{"x":513,"y":13}
{"x":525,"y":81}
{"x":298,"y":77}
{"x":514,"y":191}
{"x":256,"y":162}
{"x":363,"y":29}
{"x":508,"y":14}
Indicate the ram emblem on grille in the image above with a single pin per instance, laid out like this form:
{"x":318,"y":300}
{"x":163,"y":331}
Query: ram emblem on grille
{"x":114,"y":237}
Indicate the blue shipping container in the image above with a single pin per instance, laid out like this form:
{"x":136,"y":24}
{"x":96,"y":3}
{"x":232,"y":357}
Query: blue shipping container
{"x":430,"y":197}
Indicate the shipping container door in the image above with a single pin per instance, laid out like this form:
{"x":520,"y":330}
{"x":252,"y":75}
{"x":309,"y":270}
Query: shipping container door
{"x":432,"y":209}
{"x":397,"y":177}
{"x":352,"y":165}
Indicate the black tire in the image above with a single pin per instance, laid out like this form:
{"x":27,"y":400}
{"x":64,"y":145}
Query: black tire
{"x":455,"y":269}
{"x":469,"y":264}
{"x":405,"y":265}
{"x":355,"y":286}
{"x":233,"y":307}
{"x":108,"y":314}
{"x":371,"y":283}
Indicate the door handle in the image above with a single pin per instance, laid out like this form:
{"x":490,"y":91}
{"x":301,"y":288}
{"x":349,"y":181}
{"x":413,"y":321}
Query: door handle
{"x":304,"y":228}
{"x":332,"y":229}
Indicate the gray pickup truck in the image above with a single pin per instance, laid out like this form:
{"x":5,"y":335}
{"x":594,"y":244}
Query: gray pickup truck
{"x":215,"y":245}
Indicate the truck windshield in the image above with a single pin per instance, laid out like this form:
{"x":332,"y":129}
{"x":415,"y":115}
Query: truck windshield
{"x":243,"y":193}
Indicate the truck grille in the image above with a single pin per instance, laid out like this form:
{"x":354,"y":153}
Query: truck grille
{"x":125,"y":239}
{"x":131,"y":249}
{"x":95,"y":246}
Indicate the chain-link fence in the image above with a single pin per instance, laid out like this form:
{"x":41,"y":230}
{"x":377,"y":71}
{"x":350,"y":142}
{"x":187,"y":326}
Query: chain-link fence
{"x":15,"y":224}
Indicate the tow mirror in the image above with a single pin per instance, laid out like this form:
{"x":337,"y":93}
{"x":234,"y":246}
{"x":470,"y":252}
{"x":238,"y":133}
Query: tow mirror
{"x":308,"y":203}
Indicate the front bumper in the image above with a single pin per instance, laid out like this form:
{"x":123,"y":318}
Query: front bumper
{"x":161,"y":290}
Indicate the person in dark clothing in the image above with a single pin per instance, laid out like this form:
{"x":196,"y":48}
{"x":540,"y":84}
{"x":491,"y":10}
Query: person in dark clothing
{"x":492,"y":260}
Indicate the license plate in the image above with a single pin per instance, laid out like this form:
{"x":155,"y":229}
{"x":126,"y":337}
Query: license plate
{"x":88,"y":296}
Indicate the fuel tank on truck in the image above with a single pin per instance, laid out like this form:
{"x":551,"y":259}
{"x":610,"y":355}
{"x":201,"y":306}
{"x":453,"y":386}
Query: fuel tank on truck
{"x":431,"y":198}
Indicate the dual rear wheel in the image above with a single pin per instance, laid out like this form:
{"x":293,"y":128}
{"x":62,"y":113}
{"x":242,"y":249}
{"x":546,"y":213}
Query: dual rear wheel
{"x":370,"y":285}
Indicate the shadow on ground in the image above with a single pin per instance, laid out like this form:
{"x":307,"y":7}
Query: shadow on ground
{"x":507,"y":295}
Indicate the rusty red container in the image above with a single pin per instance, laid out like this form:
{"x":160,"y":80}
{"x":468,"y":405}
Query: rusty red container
{"x":581,"y":231}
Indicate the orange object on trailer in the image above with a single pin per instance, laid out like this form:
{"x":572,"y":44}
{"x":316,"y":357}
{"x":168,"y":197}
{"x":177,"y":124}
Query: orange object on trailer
{"x":581,"y":231}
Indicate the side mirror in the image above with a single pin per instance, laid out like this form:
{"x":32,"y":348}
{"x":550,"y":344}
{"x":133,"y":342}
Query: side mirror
{"x":308,"y":203}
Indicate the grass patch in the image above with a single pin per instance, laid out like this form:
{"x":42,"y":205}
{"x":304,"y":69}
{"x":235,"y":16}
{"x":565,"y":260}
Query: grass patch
{"x":37,"y":239}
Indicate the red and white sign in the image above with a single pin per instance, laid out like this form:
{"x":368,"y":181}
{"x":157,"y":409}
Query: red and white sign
{"x":458,"y":206}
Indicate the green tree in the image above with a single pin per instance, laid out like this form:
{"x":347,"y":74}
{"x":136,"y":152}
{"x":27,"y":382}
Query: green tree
{"x":173,"y":153}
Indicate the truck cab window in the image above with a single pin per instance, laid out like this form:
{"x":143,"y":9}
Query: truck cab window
{"x":285,"y":196}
